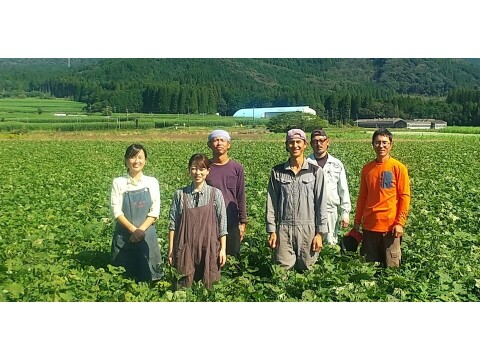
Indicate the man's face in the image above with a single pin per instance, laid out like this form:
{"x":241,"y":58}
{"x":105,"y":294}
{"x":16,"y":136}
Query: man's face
{"x":296,"y":147}
{"x":320,"y":145}
{"x":382,"y":145}
{"x":219,"y":145}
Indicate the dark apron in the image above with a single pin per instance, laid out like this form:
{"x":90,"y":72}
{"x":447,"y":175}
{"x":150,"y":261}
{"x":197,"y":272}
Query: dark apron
{"x":196,"y":246}
{"x":142,"y":260}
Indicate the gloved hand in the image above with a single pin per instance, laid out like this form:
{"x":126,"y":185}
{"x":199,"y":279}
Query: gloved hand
{"x":137,"y":236}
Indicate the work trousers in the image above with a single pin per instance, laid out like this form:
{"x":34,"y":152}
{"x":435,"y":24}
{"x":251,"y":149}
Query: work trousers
{"x":381,"y":247}
{"x":294,"y":246}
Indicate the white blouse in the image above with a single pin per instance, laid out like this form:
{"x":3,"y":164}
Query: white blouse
{"x":127,"y":183}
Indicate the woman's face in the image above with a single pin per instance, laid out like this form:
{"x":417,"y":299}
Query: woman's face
{"x":136,"y":163}
{"x":198,"y":174}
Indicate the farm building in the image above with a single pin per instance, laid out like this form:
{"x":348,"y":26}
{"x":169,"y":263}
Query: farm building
{"x":272,"y":111}
{"x":428,"y":123}
{"x":377,"y":123}
{"x":401,"y":123}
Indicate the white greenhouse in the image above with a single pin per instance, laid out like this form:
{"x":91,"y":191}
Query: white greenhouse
{"x":272,"y":111}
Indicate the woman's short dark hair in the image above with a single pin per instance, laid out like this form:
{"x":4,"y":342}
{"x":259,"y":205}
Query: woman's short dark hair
{"x":133,"y":150}
{"x":199,"y":160}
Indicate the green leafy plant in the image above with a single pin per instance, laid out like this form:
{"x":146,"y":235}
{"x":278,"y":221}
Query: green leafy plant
{"x":56,"y":228}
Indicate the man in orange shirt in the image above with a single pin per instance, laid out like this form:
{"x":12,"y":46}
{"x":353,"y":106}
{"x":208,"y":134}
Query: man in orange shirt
{"x":383,"y":203}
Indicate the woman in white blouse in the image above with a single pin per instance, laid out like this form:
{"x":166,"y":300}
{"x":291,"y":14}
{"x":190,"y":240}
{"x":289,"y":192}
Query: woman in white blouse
{"x":135,"y":204}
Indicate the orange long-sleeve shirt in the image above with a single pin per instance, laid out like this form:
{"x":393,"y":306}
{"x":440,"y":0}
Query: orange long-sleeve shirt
{"x":384,"y":196}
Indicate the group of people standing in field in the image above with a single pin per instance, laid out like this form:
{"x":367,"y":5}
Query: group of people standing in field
{"x":307,"y":202}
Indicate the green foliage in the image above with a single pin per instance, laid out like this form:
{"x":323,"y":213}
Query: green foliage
{"x":460,"y":130}
{"x":56,"y":229}
{"x":22,"y":116}
{"x":340,"y":90}
{"x":12,"y":108}
{"x":14,"y":126}
{"x":284,"y":122}
{"x":107,"y":111}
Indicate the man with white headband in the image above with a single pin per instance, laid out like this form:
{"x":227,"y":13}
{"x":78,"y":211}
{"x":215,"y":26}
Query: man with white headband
{"x":296,"y":214}
{"x":228,"y":175}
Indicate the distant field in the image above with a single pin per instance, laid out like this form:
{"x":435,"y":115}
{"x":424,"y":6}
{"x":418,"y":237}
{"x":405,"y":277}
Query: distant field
{"x":31,"y":114}
{"x":461,"y":130}
{"x":30,"y":106}
{"x":34,"y":114}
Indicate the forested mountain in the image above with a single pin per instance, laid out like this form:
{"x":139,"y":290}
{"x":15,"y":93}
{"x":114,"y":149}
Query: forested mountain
{"x":339,"y":89}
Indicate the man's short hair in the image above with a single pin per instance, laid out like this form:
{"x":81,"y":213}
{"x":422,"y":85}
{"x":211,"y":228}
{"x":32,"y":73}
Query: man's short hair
{"x":382,"y":132}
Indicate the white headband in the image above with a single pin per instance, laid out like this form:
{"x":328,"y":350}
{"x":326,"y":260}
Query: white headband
{"x":219,"y":133}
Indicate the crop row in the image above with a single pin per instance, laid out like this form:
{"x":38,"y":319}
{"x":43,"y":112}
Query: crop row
{"x":55,"y":225}
{"x":99,"y":123}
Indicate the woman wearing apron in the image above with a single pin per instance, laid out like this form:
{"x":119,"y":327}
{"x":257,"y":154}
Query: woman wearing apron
{"x":135,"y":204}
{"x":198,"y":228}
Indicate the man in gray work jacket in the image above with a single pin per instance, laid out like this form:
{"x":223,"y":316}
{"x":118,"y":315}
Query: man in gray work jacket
{"x":296,"y":213}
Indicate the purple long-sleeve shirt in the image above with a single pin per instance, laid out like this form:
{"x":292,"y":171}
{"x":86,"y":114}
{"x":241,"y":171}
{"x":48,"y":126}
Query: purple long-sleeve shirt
{"x":230,"y":179}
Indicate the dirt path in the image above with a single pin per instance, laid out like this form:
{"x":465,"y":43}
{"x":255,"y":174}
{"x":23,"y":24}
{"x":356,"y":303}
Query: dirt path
{"x":196,"y":134}
{"x":144,"y":135}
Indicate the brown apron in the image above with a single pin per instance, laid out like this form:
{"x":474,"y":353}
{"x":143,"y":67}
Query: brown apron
{"x":196,"y":245}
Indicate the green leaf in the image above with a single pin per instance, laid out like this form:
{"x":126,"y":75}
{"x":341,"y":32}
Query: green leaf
{"x":15,"y":289}
{"x":308,"y":295}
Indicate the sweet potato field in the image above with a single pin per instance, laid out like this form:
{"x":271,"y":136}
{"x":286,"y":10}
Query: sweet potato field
{"x":56,"y":228}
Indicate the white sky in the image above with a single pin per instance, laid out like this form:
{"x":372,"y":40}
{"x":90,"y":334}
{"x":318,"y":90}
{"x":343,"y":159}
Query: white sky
{"x":214,"y":28}
{"x":247,"y":28}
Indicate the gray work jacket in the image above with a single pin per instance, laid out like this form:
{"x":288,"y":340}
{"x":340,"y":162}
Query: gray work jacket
{"x":296,"y":199}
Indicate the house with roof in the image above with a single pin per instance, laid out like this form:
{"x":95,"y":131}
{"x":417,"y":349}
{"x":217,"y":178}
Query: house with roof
{"x":272,"y":111}
{"x":419,"y":124}
{"x":377,"y":123}
{"x":429,"y":123}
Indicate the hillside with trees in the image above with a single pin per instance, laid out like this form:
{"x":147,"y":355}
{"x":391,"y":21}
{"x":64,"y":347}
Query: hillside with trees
{"x":340,"y":90}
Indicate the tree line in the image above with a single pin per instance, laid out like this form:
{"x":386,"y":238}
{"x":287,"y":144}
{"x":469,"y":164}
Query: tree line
{"x":340,"y":108}
{"x":340,"y":90}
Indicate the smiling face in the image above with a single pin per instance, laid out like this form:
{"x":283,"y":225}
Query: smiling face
{"x":135,"y":163}
{"x":296,"y":147}
{"x":198,"y":168}
{"x":198,"y":173}
{"x":382,"y":146}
